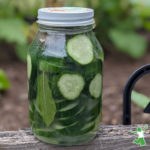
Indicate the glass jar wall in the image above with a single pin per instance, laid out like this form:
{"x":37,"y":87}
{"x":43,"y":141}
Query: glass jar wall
{"x":65,"y":84}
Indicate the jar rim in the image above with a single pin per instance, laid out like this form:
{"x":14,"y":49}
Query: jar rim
{"x":66,"y":16}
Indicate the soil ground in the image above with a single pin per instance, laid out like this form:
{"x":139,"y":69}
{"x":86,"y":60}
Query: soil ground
{"x":117,"y":69}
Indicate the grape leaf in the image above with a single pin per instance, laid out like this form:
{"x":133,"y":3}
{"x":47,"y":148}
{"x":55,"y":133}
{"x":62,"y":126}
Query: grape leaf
{"x":45,"y":101}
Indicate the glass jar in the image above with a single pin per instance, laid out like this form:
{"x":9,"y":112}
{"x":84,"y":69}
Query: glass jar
{"x":65,"y":77}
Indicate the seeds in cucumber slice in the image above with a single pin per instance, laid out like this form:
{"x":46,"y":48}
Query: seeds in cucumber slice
{"x":96,"y":86}
{"x":71,"y":85}
{"x":80,"y":49}
{"x":29,"y":65}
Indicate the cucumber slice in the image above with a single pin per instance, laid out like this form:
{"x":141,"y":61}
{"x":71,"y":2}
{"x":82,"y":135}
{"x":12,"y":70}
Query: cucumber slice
{"x":88,"y":126}
{"x":70,"y":110}
{"x":79,"y":127}
{"x":57,"y":126}
{"x":44,"y":132}
{"x":64,"y":105}
{"x":80,"y":49}
{"x":96,"y":86}
{"x":71,"y":85}
{"x":85,"y":120}
{"x":68,"y":107}
{"x":71,"y":119}
{"x":29,"y":66}
{"x":60,"y":101}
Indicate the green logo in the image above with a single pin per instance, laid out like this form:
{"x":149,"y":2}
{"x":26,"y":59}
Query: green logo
{"x":140,"y":133}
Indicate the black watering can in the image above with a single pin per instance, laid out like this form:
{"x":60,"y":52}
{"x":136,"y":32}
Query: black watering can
{"x":139,"y":73}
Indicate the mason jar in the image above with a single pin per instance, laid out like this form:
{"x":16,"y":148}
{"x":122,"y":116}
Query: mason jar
{"x":65,"y":63}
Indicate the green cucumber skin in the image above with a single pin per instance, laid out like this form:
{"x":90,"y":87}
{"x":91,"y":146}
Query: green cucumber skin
{"x":66,"y":65}
{"x":64,"y":103}
{"x":29,"y":66}
{"x":81,"y":118}
{"x":96,"y":93}
{"x":33,"y":51}
{"x":67,"y":113}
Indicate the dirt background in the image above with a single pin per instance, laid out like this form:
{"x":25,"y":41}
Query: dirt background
{"x":117,"y":69}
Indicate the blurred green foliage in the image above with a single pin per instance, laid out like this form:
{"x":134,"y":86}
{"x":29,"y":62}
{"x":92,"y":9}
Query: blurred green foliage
{"x":4,"y":82}
{"x":140,"y":99}
{"x":141,"y":8}
{"x":117,"y":23}
{"x":117,"y":26}
{"x":13,"y":25}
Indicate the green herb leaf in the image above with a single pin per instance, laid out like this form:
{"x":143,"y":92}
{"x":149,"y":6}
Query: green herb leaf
{"x":140,"y":99}
{"x":4,"y":82}
{"x":128,"y":42}
{"x":12,"y":30}
{"x":45,"y":101}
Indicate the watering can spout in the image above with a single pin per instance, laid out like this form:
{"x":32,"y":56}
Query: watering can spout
{"x":147,"y":109}
{"x":128,"y":90}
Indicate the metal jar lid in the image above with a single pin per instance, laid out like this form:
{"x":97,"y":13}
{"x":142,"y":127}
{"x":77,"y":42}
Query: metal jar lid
{"x":66,"y":16}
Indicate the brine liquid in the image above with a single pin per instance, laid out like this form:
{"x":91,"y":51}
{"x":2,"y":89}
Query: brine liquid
{"x":75,"y":121}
